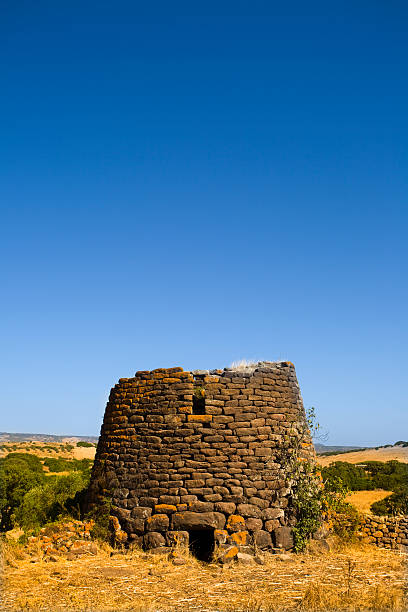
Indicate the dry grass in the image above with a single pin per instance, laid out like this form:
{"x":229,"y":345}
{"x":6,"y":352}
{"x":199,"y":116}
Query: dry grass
{"x":362,"y":500}
{"x":51,"y":449}
{"x":398,"y":453}
{"x":244,"y":365}
{"x":352,"y":579}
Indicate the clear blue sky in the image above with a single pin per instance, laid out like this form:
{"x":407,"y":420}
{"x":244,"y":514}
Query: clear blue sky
{"x":189,"y":189}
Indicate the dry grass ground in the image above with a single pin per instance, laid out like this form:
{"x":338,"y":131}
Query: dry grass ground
{"x":382,"y":454}
{"x":362,"y":500}
{"x":50,"y":449}
{"x":351,"y":579}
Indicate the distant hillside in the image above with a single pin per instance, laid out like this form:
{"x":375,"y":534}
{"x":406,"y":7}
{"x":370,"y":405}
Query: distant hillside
{"x":28,"y":437}
{"x":383,"y":453}
{"x":322,"y":448}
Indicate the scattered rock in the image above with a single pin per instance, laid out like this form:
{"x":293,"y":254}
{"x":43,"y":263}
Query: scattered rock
{"x":283,"y":557}
{"x":245,"y":559}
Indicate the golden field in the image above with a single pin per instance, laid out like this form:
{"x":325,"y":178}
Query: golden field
{"x":49,"y":449}
{"x":353,"y":578}
{"x":362,"y":500}
{"x":371,"y":454}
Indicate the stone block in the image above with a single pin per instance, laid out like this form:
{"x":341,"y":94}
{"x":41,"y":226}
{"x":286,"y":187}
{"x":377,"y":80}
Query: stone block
{"x":253,"y":524}
{"x":235,"y":523}
{"x":272,"y":525}
{"x":153,"y":540}
{"x":220,"y":536}
{"x":133,"y":525}
{"x":185,"y":521}
{"x":283,"y":538}
{"x":157,"y":522}
{"x":165,"y":509}
{"x":239,"y":538}
{"x":263,"y":539}
{"x":199,"y":506}
{"x":249,"y":510}
{"x":273,"y":513}
{"x":141,"y":512}
{"x":229,"y":554}
{"x":177,"y":538}
{"x":245,"y":559}
{"x":225,"y":507}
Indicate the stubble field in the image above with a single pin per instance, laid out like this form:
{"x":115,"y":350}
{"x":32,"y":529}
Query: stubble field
{"x":354,"y":578}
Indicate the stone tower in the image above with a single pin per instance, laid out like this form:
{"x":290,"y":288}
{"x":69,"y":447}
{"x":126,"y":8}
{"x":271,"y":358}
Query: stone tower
{"x":199,"y":457}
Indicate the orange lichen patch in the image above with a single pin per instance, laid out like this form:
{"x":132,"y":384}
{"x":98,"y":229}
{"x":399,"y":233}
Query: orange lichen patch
{"x":177,"y":537}
{"x":220,"y":535}
{"x":306,"y":444}
{"x":200,"y":418}
{"x":165,"y":508}
{"x":240,"y":538}
{"x":185,"y":409}
{"x":211,"y":379}
{"x":231,"y":553}
{"x":235,"y":522}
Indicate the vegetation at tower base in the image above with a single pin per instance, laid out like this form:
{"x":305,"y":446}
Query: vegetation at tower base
{"x":182,"y":451}
{"x":316,"y":501}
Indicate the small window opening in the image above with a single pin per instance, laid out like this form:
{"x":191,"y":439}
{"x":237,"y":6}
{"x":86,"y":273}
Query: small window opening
{"x":201,"y":544}
{"x":199,"y":402}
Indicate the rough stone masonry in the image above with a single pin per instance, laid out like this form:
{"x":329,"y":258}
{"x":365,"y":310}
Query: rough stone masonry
{"x":198,"y":458}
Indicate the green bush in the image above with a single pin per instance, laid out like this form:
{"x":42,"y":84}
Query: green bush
{"x":397,"y":503}
{"x":352,"y":476}
{"x":32,"y":462}
{"x":101,"y":515}
{"x":49,"y":501}
{"x":19,"y":473}
{"x":390,"y":476}
{"x":85,"y":444}
{"x":69,"y":465}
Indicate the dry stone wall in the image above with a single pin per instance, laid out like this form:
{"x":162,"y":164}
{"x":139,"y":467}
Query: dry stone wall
{"x":385,"y":531}
{"x":182,"y":453}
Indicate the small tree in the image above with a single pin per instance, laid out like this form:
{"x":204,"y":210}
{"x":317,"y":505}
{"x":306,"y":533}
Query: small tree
{"x":17,"y":478}
{"x":50,"y":501}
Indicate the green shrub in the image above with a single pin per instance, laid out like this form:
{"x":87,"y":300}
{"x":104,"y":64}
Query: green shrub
{"x":100,"y":514}
{"x":391,"y":475}
{"x":49,"y":501}
{"x":69,"y":465}
{"x":397,"y":503}
{"x":85,"y":444}
{"x":353,"y":477}
{"x":19,"y":473}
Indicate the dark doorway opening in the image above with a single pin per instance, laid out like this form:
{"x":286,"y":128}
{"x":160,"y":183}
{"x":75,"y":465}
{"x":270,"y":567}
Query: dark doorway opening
{"x":198,"y":404}
{"x":202,"y":544}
